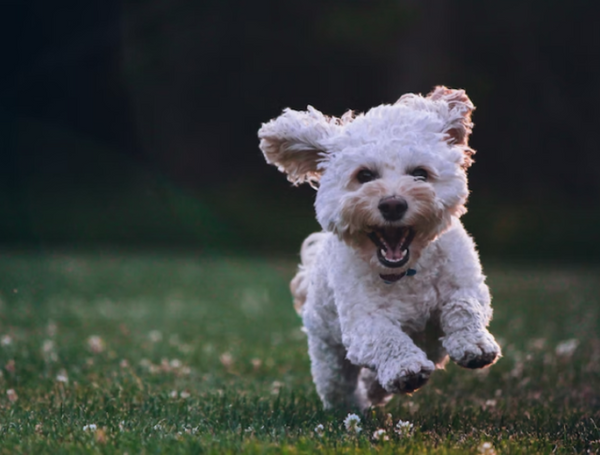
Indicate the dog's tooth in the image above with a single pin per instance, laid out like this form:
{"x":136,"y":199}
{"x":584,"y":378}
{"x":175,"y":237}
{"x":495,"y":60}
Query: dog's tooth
{"x":382,"y":239}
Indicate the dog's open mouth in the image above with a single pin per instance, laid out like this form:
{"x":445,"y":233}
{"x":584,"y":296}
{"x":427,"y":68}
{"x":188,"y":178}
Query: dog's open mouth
{"x":392,"y":244}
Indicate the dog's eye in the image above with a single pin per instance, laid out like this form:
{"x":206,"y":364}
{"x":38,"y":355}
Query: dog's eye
{"x":365,"y":175}
{"x":420,"y":174}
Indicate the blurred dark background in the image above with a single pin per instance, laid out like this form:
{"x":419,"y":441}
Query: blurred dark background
{"x":133,"y":123}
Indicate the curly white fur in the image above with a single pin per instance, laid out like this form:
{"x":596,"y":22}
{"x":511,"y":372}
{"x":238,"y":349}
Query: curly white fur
{"x":372,"y":329}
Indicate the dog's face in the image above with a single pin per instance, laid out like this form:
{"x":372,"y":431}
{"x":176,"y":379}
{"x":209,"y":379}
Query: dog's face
{"x":389,"y":181}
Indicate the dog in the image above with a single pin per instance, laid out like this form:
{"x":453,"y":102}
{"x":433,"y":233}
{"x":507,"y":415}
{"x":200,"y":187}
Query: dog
{"x":393,"y":286}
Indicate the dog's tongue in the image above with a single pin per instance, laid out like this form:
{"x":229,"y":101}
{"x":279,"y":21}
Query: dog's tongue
{"x":394,"y":253}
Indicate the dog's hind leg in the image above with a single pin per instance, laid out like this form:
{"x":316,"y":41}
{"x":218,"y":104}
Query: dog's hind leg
{"x":334,"y":376}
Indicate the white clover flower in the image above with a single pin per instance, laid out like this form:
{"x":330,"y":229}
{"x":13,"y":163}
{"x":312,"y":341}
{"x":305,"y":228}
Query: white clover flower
{"x":62,"y":377}
{"x":276,"y":387}
{"x":96,"y":344}
{"x":185,"y":371}
{"x":226,"y":359}
{"x":486,"y":448}
{"x":173,"y":394}
{"x":49,"y":351}
{"x":319,"y":430}
{"x":380,"y":435}
{"x":567,"y":348}
{"x":90,"y":427}
{"x":187,"y":429}
{"x":155,"y":336}
{"x":403,"y":428}
{"x":157,"y":427}
{"x":185,"y":394}
{"x":351,"y":423}
{"x":12,"y":395}
{"x":6,"y":340}
{"x":491,"y":403}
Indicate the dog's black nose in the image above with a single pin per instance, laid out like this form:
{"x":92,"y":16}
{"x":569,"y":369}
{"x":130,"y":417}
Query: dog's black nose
{"x":392,"y":208}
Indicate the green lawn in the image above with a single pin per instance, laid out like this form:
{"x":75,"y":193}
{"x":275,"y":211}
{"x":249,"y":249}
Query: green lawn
{"x":141,"y":353}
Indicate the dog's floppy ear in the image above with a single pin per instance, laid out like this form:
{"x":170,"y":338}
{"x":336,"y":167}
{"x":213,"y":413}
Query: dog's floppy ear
{"x":458,"y":122}
{"x":458,"y":125}
{"x":294,"y":142}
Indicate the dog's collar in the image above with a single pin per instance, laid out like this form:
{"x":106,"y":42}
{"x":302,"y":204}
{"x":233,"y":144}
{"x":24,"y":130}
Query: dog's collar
{"x":389,"y":279}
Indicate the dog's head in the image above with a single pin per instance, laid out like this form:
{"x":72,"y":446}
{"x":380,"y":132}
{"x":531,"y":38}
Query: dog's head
{"x":389,"y":181}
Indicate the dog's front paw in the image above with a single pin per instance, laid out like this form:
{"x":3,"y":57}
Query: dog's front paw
{"x":472,"y":349}
{"x":406,"y":375}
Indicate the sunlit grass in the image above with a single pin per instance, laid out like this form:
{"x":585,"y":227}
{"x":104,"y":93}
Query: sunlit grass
{"x":144,"y":353}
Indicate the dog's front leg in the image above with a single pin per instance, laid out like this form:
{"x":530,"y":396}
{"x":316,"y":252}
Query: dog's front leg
{"x":378,"y":342}
{"x":464,"y":320}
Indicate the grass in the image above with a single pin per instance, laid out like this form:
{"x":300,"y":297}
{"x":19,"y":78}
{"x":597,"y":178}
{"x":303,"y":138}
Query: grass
{"x":141,"y":353}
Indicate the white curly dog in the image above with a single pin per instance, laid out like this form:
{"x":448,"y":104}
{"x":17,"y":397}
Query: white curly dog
{"x":393,"y":286}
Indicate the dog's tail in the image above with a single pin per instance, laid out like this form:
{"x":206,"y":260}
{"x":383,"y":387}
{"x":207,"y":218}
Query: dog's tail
{"x":308,"y":253}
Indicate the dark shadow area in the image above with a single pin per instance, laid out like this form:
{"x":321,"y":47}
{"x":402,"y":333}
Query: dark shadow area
{"x":133,"y":124}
